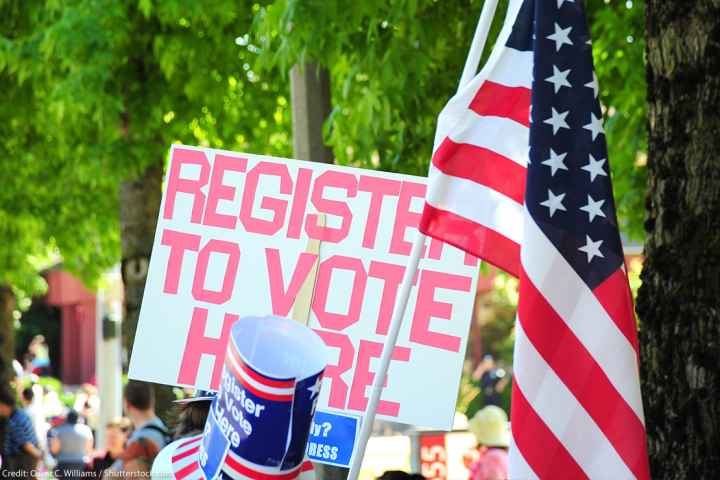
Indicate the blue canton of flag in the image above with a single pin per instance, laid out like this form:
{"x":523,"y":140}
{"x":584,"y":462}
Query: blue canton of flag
{"x":569,"y":193}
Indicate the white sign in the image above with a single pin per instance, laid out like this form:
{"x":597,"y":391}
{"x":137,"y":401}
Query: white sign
{"x":231,"y":241}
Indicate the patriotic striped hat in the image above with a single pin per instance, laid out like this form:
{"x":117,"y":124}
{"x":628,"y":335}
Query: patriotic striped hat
{"x":259,"y":422}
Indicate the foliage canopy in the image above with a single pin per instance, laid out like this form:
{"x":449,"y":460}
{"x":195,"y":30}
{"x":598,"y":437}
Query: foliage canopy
{"x":98,"y":90}
{"x":395,"y":64}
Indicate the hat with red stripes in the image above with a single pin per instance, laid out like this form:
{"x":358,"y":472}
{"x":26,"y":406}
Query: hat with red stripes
{"x":259,"y":421}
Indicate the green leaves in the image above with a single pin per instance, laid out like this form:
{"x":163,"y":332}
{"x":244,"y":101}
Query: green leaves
{"x":98,"y":91}
{"x":619,"y":49}
{"x":395,"y":64}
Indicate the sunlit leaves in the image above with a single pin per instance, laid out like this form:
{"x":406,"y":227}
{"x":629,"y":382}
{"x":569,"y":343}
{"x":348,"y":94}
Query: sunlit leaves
{"x":395,"y":63}
{"x":98,"y":90}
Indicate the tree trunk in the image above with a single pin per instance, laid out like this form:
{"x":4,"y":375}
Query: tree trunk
{"x":310,"y":92}
{"x":7,"y":335}
{"x":679,"y":302}
{"x":139,"y":207}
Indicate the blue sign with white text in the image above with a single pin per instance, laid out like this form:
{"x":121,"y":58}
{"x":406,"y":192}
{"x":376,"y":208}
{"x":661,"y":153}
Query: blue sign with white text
{"x":332,"y":438}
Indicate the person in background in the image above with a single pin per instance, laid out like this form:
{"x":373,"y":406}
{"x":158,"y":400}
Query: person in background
{"x":117,"y":432}
{"x":150,"y":434}
{"x":33,"y":408}
{"x":493,"y":380}
{"x":40,"y":355}
{"x":20,"y":449}
{"x":87,"y":403}
{"x":71,"y":443}
{"x":18,"y":370}
{"x":489,"y":460}
{"x":192,"y":414}
{"x":399,"y":475}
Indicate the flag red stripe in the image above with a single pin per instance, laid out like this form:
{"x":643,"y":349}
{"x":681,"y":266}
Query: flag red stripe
{"x":582,"y":375}
{"x":190,"y":440}
{"x":246,"y":385}
{"x":542,"y":451}
{"x":472,"y":237}
{"x":186,"y":453}
{"x":256,"y":376}
{"x":248,"y":472}
{"x":615,"y":297}
{"x":482,"y":166}
{"x":497,"y":100}
{"x":186,"y":470}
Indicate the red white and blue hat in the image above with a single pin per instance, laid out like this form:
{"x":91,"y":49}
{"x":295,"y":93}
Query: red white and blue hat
{"x":259,"y":422}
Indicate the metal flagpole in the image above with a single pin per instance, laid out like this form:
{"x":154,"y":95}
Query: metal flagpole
{"x":471,"y":66}
{"x":478,"y":42}
{"x":390,"y":341}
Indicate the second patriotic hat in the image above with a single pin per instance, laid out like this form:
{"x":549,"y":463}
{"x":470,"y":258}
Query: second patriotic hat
{"x":259,"y":421}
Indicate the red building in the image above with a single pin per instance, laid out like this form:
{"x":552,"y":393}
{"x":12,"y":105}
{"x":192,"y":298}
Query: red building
{"x":68,"y":301}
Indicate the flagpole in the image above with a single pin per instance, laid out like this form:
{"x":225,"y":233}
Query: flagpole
{"x":471,"y":66}
{"x":478,"y":42}
{"x":390,"y":342}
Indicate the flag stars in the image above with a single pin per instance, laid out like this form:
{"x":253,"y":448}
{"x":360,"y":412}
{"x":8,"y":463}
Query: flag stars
{"x":560,"y":37}
{"x":595,"y":126}
{"x":594,"y":167}
{"x":315,"y":388}
{"x":554,"y":202}
{"x":591,"y":249}
{"x":557,"y":120}
{"x":555,"y":162}
{"x":593,"y":209}
{"x":594,"y":86}
{"x":559,"y":78}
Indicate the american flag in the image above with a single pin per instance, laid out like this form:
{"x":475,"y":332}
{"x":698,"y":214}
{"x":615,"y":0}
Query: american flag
{"x":520,"y":177}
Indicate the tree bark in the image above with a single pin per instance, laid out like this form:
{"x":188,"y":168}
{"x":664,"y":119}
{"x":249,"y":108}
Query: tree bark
{"x":310,"y":92}
{"x":139,"y":207}
{"x":678,"y":303}
{"x":7,"y":335}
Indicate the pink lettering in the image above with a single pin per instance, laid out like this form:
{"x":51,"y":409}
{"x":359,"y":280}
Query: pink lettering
{"x":392,"y":276}
{"x":338,"y":386}
{"x":283,"y":300}
{"x":233,"y":253}
{"x":331,"y":179}
{"x":405,"y":218}
{"x":339,"y":321}
{"x":364,"y":377}
{"x":176,"y":184}
{"x":275,"y":205}
{"x":427,"y":308}
{"x":178,"y":242}
{"x":302,"y":191}
{"x":219,"y":191}
{"x":198,"y":344}
{"x":378,"y":188}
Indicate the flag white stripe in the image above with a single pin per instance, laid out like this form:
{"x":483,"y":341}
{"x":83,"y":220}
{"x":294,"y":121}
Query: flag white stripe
{"x":475,"y":202}
{"x":448,"y":118}
{"x":257,"y":385}
{"x":498,"y":134}
{"x":518,"y":467}
{"x":184,"y":462}
{"x":563,"y":414}
{"x":576,"y":304}
{"x":513,"y":68}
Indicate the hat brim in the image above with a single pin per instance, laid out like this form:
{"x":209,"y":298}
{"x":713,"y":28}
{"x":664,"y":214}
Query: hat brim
{"x":185,"y":401}
{"x":180,"y":461}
